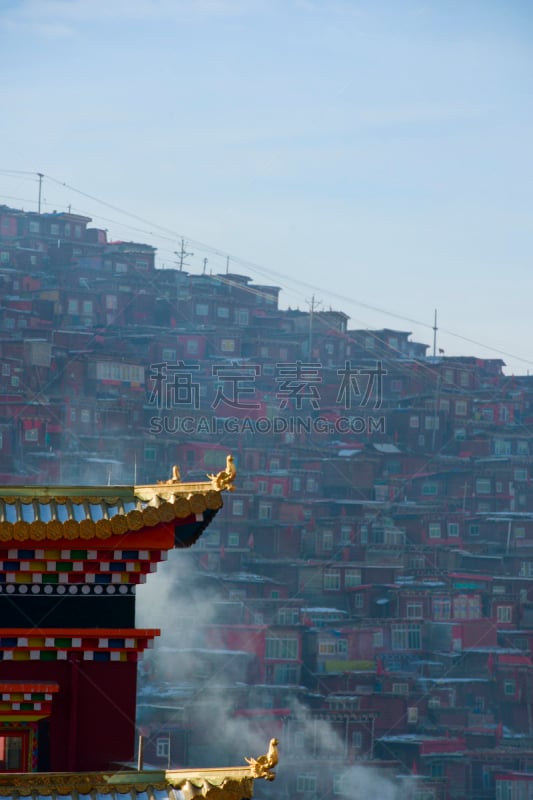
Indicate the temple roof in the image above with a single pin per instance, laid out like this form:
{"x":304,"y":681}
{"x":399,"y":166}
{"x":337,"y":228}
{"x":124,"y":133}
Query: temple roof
{"x":86,"y":512}
{"x":230,"y":783}
{"x":222,"y":783}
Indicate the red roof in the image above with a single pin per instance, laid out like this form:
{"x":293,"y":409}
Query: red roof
{"x":515,"y":661}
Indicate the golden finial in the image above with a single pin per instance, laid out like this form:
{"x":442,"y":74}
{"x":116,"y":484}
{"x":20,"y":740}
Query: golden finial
{"x":263,"y":766}
{"x":224,"y":479}
{"x":176,"y":477}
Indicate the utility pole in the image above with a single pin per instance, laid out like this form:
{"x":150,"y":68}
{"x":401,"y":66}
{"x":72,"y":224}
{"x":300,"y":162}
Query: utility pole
{"x":227,"y":265}
{"x":205,"y":265}
{"x":40,"y":176}
{"x":182,"y":254}
{"x":435,"y":335}
{"x":436,"y":418}
{"x":313,"y":305}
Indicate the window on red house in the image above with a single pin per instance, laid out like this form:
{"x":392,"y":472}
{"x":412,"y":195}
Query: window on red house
{"x":13,"y":747}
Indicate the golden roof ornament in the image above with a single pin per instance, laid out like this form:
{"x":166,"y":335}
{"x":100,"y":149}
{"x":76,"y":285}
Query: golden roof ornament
{"x":176,"y":477}
{"x":263,"y":766}
{"x":224,"y":479}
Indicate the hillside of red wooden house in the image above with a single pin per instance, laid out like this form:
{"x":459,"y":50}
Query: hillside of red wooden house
{"x":389,"y":570}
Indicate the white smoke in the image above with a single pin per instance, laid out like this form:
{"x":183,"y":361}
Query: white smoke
{"x":174,"y":601}
{"x":361,"y":783}
{"x":171,"y":601}
{"x":324,"y":754}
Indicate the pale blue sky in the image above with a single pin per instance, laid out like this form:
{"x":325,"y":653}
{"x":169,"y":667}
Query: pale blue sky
{"x":379,"y":151}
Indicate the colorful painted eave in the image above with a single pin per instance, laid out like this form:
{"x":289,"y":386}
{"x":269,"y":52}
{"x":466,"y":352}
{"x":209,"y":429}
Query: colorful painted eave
{"x":52,"y":513}
{"x":58,"y":644}
{"x":24,"y":701}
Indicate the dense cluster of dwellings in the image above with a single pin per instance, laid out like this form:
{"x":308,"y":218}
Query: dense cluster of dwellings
{"x":370,"y":580}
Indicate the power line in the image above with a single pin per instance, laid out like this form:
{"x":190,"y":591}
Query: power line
{"x":269,"y":272}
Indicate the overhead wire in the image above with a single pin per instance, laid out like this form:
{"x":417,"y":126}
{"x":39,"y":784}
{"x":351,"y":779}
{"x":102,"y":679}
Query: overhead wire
{"x":270,"y":272}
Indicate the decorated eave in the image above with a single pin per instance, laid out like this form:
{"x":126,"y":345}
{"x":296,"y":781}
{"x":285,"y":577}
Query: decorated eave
{"x":88,"y":542}
{"x":233,"y":783}
{"x":35,"y":514}
{"x":99,"y":539}
{"x":26,"y":701}
{"x":56,"y":644}
{"x":224,"y":783}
